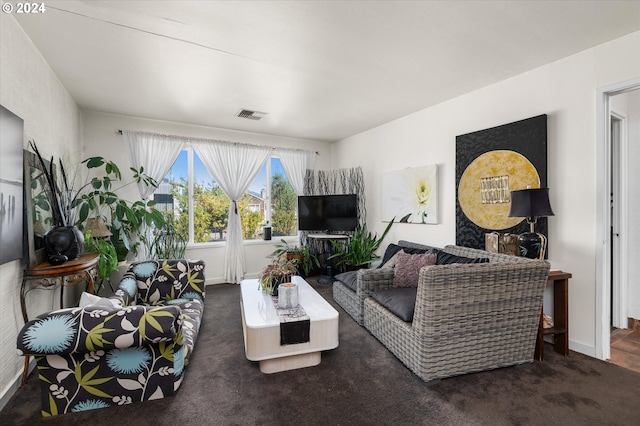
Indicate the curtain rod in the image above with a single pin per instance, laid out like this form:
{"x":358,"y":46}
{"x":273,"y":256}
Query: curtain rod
{"x":119,"y":132}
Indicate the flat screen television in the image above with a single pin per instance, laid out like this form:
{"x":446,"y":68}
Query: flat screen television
{"x":328,"y":213}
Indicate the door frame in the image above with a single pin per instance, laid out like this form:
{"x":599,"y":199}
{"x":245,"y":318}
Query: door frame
{"x":603,"y":212}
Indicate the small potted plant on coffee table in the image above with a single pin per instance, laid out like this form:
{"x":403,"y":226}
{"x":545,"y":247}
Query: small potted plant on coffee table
{"x":278,"y":272}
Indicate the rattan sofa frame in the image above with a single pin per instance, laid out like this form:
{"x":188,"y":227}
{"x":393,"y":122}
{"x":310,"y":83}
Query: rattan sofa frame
{"x":368,"y":281}
{"x":468,"y":317}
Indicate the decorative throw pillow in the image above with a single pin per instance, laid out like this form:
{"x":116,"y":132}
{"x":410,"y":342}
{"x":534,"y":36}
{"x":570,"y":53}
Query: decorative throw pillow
{"x":392,"y":249}
{"x":445,"y":258}
{"x":391,"y":263}
{"x":88,"y":299}
{"x":408,"y":268}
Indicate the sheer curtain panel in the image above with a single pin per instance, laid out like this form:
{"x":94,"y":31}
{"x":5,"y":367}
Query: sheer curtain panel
{"x":156,"y":154}
{"x":233,"y":166}
{"x":295,"y":164}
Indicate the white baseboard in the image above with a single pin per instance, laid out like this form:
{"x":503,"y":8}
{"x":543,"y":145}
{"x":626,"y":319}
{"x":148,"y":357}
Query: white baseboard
{"x":12,"y":388}
{"x":588,"y":350}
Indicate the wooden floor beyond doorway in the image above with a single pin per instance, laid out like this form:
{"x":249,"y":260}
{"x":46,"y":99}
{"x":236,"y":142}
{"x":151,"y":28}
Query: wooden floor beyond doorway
{"x":625,"y":347}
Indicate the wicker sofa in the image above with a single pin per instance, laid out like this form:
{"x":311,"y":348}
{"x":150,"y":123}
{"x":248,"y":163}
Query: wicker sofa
{"x":467,"y":317}
{"x":132,"y":346}
{"x":351,"y":288}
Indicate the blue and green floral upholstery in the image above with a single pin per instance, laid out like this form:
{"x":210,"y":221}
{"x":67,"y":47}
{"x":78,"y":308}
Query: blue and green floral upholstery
{"x":98,"y":356}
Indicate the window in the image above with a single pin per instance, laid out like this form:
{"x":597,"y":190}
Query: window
{"x":200,"y":208}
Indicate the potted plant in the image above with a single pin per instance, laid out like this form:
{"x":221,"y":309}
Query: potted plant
{"x":73,"y":203}
{"x":278,"y":272}
{"x":125,"y":220}
{"x":168,"y":243}
{"x":108,"y":261}
{"x":359,"y":250}
{"x":302,"y":257}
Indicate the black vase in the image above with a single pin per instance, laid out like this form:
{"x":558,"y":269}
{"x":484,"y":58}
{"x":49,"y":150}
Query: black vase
{"x":63,"y":243}
{"x":530,"y":245}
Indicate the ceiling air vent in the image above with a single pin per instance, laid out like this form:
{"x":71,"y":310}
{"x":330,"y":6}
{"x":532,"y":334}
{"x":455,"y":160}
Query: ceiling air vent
{"x":251,"y":115}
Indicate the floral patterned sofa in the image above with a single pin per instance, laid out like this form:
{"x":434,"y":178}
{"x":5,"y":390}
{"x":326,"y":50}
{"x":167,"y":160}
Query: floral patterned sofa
{"x":130,"y":347}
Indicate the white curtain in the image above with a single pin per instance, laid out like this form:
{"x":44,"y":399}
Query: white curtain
{"x":156,"y":154}
{"x":233,"y":166}
{"x":295,"y":163}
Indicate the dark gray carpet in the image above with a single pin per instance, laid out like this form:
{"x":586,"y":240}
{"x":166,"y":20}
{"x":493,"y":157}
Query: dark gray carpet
{"x":358,"y":383}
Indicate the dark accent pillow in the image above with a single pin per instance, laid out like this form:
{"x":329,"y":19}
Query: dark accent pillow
{"x":348,"y":278}
{"x":408,"y":268}
{"x":445,"y":258}
{"x":392,"y":249}
{"x":400,"y":301}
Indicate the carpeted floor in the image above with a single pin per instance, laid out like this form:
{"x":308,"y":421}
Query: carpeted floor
{"x":358,"y":383}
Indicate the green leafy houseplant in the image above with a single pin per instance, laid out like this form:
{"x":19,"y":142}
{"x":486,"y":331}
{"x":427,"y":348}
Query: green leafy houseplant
{"x":360,"y":249}
{"x":108,"y":261}
{"x":301,"y":256}
{"x":124,"y":219}
{"x":278,"y":272}
{"x":168,"y":243}
{"x":74,"y":200}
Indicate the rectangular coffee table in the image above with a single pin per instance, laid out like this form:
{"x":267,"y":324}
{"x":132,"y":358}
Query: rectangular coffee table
{"x":261,"y":328}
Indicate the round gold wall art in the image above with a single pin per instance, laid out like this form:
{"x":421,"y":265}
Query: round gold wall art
{"x":485,"y":186}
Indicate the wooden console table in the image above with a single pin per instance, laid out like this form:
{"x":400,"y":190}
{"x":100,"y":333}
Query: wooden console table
{"x":328,"y":279}
{"x":560,"y":329}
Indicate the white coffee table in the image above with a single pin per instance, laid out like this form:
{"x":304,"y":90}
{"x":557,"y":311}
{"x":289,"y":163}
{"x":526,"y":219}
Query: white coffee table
{"x":261,"y":328}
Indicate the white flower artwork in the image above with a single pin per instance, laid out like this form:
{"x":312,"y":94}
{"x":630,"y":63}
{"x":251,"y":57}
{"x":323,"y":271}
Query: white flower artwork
{"x":411,"y":195}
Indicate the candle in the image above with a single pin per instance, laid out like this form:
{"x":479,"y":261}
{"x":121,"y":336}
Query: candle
{"x":287,"y":296}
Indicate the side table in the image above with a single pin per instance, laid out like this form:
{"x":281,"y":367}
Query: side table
{"x":47,"y":276}
{"x":328,"y":238}
{"x":560,"y":329}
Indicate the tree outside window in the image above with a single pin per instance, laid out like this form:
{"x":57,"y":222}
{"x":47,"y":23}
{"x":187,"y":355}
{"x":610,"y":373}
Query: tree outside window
{"x":211,"y":205}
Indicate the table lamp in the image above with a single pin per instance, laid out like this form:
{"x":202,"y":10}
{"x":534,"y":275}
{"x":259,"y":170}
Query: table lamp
{"x":531,"y":203}
{"x":97,"y":227}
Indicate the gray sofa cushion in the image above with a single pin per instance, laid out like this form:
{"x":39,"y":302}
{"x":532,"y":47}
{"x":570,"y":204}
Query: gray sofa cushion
{"x":348,"y":278}
{"x":400,"y":301}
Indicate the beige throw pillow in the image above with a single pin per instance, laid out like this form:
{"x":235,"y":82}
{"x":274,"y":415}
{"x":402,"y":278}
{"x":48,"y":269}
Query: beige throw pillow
{"x":408,"y":267}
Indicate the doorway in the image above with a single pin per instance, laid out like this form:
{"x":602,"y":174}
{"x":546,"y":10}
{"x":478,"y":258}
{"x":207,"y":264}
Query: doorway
{"x":613,"y":227}
{"x":617,"y":236}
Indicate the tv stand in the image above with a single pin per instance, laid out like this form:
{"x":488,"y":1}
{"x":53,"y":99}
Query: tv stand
{"x":326,"y":237}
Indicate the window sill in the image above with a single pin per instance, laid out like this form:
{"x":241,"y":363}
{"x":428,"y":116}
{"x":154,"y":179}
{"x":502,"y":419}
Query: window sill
{"x":220,"y":244}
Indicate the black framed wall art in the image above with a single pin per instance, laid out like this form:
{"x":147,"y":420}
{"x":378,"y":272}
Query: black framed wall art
{"x":490,"y":164}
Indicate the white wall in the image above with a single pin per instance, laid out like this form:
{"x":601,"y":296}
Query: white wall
{"x":30,"y":90}
{"x":564,"y":90}
{"x":101,"y":139}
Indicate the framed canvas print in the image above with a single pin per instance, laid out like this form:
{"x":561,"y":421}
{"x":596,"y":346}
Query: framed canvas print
{"x":411,"y":195}
{"x":11,"y":189}
{"x":491,"y":163}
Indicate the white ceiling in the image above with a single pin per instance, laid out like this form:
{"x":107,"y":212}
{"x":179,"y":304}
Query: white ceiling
{"x":323,"y":70}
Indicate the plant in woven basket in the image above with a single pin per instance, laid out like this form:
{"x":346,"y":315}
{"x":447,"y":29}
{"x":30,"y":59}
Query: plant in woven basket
{"x":278,"y":272}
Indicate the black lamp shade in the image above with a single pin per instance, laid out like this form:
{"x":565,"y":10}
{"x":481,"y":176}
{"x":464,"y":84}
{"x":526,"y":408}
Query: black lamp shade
{"x":533,"y":202}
